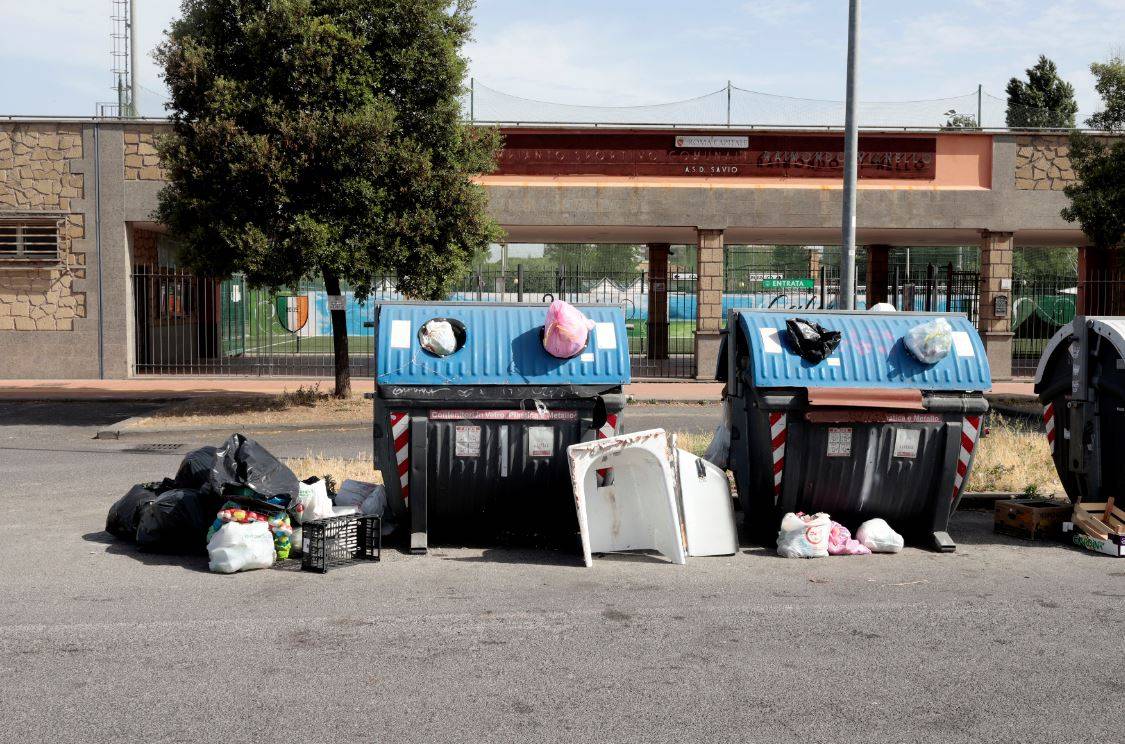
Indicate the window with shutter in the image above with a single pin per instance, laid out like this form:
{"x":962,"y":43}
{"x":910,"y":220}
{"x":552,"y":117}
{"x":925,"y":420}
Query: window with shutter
{"x":29,"y":240}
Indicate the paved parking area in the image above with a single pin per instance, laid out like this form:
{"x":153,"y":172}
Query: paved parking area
{"x":1001,"y":641}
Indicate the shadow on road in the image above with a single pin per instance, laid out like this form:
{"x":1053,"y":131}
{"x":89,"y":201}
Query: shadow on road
{"x":71,"y":413}
{"x":119,"y":547}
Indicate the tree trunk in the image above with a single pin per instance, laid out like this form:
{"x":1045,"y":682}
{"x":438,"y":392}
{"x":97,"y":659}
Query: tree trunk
{"x":339,"y":340}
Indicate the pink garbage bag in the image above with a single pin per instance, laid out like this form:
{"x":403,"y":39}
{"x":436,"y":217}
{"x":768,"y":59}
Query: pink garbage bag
{"x":565,"y":330}
{"x":840,"y":542}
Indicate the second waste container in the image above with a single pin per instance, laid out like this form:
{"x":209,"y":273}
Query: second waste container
{"x":867,"y":432}
{"x":1081,"y":383}
{"x":472,"y":444}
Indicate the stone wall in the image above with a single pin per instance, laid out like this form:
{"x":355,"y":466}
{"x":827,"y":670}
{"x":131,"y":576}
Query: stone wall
{"x":142,"y":163}
{"x":1043,"y":163}
{"x":37,"y":177}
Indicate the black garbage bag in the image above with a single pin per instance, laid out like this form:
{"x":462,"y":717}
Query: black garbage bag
{"x":241,"y":464}
{"x":177,"y":521}
{"x":812,"y":341}
{"x":125,"y":514}
{"x":196,"y":467}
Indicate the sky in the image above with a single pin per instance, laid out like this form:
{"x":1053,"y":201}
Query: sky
{"x":56,"y":53}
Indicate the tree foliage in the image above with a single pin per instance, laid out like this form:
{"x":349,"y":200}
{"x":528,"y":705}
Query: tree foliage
{"x":595,"y":257}
{"x":1044,"y":100}
{"x":1097,"y":199}
{"x":324,"y":136}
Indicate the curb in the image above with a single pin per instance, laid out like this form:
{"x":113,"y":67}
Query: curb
{"x":312,"y":426}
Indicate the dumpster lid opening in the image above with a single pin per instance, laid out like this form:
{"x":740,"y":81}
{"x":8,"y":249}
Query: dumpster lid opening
{"x":899,"y":398}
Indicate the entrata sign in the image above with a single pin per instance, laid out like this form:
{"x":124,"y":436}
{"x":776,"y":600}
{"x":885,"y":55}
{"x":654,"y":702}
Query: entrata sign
{"x":619,"y":153}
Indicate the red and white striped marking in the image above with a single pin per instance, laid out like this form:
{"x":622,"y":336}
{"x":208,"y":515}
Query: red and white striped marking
{"x":400,"y":432}
{"x":1049,"y":424}
{"x":608,"y":429}
{"x":970,"y":432}
{"x":777,"y":441}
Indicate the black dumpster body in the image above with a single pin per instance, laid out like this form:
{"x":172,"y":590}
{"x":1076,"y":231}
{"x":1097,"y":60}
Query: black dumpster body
{"x":868,"y":432}
{"x":1080,"y":381}
{"x":472,"y":446}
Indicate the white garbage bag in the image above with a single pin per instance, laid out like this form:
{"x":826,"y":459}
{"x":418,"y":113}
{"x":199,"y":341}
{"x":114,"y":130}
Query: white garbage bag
{"x":804,"y":535}
{"x":718,"y":452}
{"x":241,"y":547}
{"x":883,"y":307}
{"x":312,"y":502}
{"x":930,"y":342}
{"x":437,"y":337}
{"x":878,"y":537}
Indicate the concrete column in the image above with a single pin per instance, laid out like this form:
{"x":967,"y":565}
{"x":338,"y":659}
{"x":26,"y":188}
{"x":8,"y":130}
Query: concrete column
{"x":996,"y":281}
{"x":658,"y":300}
{"x":878,"y":263}
{"x":709,"y":301}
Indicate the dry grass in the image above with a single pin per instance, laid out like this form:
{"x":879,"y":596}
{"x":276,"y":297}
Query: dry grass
{"x":305,"y":405}
{"x":693,"y":442}
{"x":1014,"y":457}
{"x":359,"y":468}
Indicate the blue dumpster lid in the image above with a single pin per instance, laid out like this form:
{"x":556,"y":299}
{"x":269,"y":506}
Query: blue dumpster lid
{"x":871,"y":352}
{"x":503,"y":346}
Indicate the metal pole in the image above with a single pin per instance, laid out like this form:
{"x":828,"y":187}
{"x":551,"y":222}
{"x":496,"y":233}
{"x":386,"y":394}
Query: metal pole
{"x":728,"y":103}
{"x":980,"y":88}
{"x":851,"y":146}
{"x":132,"y":57}
{"x":472,"y":99}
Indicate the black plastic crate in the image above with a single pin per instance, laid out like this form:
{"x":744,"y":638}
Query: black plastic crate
{"x":338,"y":541}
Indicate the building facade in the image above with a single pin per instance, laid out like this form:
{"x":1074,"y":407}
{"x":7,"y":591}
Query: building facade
{"x":77,"y":199}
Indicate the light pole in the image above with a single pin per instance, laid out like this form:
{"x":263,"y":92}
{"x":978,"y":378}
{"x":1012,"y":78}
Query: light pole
{"x":851,"y":145}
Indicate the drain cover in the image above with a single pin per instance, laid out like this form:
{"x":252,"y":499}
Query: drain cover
{"x":156,"y":448}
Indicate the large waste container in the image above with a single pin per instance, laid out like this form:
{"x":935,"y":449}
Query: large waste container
{"x":1080,"y":381}
{"x":868,"y":432}
{"x":473,"y":445}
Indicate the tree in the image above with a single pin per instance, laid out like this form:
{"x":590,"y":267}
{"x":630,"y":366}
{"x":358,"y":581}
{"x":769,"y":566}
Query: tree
{"x":324,"y":136}
{"x":594,"y":257}
{"x":1045,"y":100}
{"x":1097,"y":198}
{"x":954,"y":120}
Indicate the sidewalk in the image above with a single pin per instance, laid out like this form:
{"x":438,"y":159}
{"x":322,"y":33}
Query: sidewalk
{"x":168,"y":388}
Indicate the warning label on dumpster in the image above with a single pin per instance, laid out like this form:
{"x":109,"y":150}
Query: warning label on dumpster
{"x":839,"y":442}
{"x":467,"y":441}
{"x":906,"y":442}
{"x":540,"y":441}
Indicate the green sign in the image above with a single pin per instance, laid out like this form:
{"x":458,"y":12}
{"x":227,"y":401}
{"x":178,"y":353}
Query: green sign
{"x":787,"y":284}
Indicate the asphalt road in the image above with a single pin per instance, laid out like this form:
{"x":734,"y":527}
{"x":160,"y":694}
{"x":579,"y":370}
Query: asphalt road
{"x":1001,"y":641}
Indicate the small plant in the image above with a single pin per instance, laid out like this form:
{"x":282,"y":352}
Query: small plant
{"x":954,"y":120}
{"x":329,"y":484}
{"x":305,"y":395}
{"x":1031,"y":490}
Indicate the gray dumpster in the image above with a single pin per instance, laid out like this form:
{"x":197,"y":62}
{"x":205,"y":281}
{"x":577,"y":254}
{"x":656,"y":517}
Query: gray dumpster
{"x":472,"y":445}
{"x":868,"y":432}
{"x":1081,"y":383}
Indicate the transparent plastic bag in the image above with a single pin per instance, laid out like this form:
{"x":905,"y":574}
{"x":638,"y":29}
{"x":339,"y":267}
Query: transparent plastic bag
{"x":804,"y":535}
{"x":718,"y":452}
{"x":878,"y":537}
{"x":437,"y":337}
{"x":241,"y":547}
{"x":930,"y":342}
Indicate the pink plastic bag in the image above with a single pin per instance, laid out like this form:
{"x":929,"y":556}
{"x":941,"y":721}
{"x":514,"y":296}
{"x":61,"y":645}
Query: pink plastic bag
{"x":840,"y":542}
{"x":565,"y":330}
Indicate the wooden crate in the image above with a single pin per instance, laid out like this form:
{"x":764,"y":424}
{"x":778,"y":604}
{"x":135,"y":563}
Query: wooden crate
{"x":1099,"y":527}
{"x":1033,"y":519}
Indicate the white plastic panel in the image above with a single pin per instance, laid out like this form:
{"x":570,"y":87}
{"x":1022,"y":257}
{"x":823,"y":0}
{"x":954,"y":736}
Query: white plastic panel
{"x":639,"y":511}
{"x":707,"y":507}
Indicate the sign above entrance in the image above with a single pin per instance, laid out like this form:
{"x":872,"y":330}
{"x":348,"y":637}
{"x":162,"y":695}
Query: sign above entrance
{"x":787,"y":284}
{"x":649,"y":153}
{"x":696,"y":141}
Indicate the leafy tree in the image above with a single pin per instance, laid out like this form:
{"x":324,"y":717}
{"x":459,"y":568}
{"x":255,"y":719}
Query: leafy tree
{"x":954,"y":120}
{"x":1097,"y":199}
{"x":324,"y":137}
{"x":1045,"y":100}
{"x":595,"y":257}
{"x":1044,"y":262}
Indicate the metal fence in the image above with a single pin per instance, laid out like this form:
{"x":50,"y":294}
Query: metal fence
{"x":205,"y":326}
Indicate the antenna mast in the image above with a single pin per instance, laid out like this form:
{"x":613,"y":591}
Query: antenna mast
{"x":124,"y":67}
